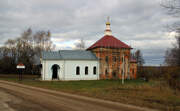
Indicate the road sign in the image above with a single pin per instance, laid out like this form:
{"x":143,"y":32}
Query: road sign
{"x":20,"y":66}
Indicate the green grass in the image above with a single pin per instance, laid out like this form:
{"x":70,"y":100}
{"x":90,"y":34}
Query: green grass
{"x":137,"y":92}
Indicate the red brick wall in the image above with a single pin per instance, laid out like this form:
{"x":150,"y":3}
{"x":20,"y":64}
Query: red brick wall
{"x":114,"y":63}
{"x":133,"y":70}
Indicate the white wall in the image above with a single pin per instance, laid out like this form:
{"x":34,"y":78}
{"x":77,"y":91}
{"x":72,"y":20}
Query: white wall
{"x":68,"y":69}
{"x":46,"y":69}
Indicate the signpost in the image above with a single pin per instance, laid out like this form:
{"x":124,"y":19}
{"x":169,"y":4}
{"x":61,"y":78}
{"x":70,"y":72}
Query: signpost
{"x":20,"y":68}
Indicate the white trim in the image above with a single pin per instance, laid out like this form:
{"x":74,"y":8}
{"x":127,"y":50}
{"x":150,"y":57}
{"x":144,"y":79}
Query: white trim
{"x":20,"y":67}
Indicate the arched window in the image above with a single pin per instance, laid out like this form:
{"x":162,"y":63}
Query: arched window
{"x":106,"y":72}
{"x":114,"y":74}
{"x":132,"y":71}
{"x":107,"y":59}
{"x":86,"y":70}
{"x":94,"y":70}
{"x":77,"y":70}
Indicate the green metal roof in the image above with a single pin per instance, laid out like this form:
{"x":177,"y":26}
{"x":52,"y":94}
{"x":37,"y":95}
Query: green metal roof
{"x":68,"y":55}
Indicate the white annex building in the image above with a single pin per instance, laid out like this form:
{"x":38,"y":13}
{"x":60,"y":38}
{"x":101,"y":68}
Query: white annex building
{"x":69,"y":65}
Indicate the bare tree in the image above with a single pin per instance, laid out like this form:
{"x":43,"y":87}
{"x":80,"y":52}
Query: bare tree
{"x":139,"y":58}
{"x":3,"y":51}
{"x":10,"y":45}
{"x":140,"y":61}
{"x":172,"y":6}
{"x":26,"y":49}
{"x":172,"y":56}
{"x":80,"y":45}
{"x":173,"y":9}
{"x":42,"y":41}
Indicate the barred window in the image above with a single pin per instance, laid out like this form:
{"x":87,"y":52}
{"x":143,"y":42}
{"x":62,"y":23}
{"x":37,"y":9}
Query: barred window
{"x":106,"y":72}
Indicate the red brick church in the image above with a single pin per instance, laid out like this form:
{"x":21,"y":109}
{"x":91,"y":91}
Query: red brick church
{"x":114,"y":57}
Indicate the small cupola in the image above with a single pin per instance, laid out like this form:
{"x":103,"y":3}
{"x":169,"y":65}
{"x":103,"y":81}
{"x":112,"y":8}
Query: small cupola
{"x":108,"y":28}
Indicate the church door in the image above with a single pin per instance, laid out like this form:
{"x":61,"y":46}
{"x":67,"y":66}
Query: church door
{"x":114,"y":74}
{"x":55,"y":70}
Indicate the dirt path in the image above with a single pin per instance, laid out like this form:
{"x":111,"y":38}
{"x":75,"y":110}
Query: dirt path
{"x":36,"y":99}
{"x":10,"y":102}
{"x":4,"y":99}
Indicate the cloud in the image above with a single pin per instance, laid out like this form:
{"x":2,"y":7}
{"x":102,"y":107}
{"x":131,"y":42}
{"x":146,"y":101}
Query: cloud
{"x":139,"y":23}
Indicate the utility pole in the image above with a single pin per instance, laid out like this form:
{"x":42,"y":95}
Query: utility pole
{"x":123,"y":70}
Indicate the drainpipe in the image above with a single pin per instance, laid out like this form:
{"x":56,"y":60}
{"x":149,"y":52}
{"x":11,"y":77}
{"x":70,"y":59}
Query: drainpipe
{"x":97,"y":70}
{"x":44,"y":68}
{"x":64,"y":71}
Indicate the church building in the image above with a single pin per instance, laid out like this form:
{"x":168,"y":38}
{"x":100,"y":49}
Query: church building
{"x":108,"y":58}
{"x":114,"y":57}
{"x":69,"y":65}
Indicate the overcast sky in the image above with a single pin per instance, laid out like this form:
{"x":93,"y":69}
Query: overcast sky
{"x":139,"y":23}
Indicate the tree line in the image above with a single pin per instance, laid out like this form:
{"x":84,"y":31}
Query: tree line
{"x":25,"y":49}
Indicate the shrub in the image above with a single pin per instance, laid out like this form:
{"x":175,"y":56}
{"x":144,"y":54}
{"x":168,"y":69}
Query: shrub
{"x":172,"y":77}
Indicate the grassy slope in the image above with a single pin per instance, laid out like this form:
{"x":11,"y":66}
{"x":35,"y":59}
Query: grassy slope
{"x":135,"y":92}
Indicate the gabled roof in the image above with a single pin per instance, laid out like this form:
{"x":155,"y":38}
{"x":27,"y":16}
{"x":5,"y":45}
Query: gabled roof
{"x":109,"y":41}
{"x":68,"y":55}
